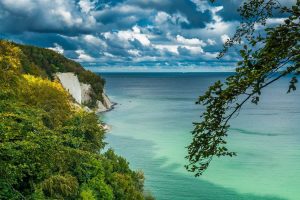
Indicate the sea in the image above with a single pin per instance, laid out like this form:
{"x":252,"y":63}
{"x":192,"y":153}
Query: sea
{"x":151,"y":127}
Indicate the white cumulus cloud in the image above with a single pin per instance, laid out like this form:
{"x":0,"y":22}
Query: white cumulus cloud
{"x":57,"y":48}
{"x":84,"y":57}
{"x":224,"y":38}
{"x":192,"y":41}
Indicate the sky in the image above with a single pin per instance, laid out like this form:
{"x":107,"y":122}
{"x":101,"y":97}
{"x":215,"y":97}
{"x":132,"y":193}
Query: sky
{"x":127,"y":35}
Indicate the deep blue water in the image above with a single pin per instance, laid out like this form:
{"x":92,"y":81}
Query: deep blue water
{"x":151,"y":126}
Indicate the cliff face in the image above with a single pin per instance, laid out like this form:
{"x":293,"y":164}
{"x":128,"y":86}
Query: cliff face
{"x":85,"y":92}
{"x":71,"y":83}
{"x":81,"y":91}
{"x":105,"y":105}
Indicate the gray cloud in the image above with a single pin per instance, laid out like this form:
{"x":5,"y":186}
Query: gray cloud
{"x":124,"y":32}
{"x":195,"y":17}
{"x":47,"y":16}
{"x":230,"y":9}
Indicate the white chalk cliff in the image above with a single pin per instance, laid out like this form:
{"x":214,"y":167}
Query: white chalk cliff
{"x":81,"y":91}
{"x":106,"y":105}
{"x":85,"y":92}
{"x":71,"y":83}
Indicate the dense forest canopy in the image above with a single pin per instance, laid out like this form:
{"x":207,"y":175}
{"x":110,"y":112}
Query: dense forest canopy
{"x":50,"y":149}
{"x":267,"y":55}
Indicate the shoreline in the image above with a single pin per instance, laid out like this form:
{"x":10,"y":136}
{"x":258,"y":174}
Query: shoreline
{"x":107,"y":128}
{"x":109,"y":109}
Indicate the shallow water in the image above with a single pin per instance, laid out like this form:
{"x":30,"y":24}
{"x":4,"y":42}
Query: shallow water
{"x":151,"y":126}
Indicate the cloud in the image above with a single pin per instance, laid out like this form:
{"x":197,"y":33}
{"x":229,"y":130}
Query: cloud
{"x":94,"y":40}
{"x":83,"y":56}
{"x":167,"y":48}
{"x":57,"y":48}
{"x":45,"y":16}
{"x":165,"y":67}
{"x":192,"y":41}
{"x":134,"y":52}
{"x":121,"y":16}
{"x":196,"y":18}
{"x":128,"y":37}
{"x":86,"y":5}
{"x":224,"y":38}
{"x":175,"y":33}
{"x":162,"y":17}
{"x":211,"y":42}
{"x":190,"y":50}
{"x":229,"y":11}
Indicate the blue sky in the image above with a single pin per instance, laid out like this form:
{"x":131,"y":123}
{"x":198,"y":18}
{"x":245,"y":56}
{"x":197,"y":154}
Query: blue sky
{"x":127,"y":35}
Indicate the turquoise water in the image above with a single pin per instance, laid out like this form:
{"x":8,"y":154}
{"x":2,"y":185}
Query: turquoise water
{"x":151,"y":126}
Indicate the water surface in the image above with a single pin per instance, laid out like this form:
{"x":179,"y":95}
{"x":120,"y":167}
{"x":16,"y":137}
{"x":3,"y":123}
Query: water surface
{"x":151,"y":126}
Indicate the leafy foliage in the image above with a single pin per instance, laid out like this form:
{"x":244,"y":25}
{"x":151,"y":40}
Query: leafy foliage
{"x":9,"y":69}
{"x":50,"y":149}
{"x":48,"y":95}
{"x":45,"y":63}
{"x":266,"y":58}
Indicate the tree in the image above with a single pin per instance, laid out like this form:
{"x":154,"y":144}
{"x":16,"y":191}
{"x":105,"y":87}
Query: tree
{"x":49,"y":148}
{"x":48,"y":95}
{"x":266,"y":56}
{"x":9,"y":69}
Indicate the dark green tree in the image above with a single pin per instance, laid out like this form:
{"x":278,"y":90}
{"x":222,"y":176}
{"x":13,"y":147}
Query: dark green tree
{"x":267,"y":56}
{"x":49,"y":148}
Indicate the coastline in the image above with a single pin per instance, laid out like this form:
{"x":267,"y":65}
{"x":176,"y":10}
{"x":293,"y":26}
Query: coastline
{"x":109,"y":109}
{"x":104,"y":125}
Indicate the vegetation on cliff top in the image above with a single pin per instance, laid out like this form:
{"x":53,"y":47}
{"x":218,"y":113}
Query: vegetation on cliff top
{"x":50,"y":149}
{"x":45,"y":63}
